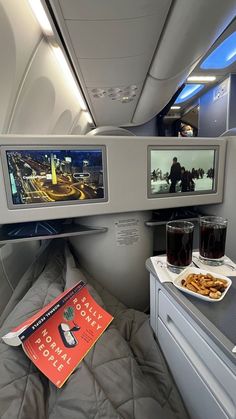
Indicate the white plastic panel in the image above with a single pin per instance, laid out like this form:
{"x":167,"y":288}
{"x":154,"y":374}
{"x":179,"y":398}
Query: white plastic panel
{"x":111,"y":9}
{"x":208,"y":376}
{"x":199,"y":401}
{"x":111,"y":44}
{"x":41,"y":94}
{"x":76,"y":130}
{"x":117,"y":38}
{"x":44,"y":97}
{"x":114,"y":110}
{"x":115,"y":72}
{"x":155,"y":95}
{"x":119,"y":264}
{"x":63,"y":123}
{"x":192,"y":28}
{"x":16,"y":47}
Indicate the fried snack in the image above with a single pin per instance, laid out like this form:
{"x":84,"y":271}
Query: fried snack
{"x":205,"y":284}
{"x":215,"y":295}
{"x":191,"y":287}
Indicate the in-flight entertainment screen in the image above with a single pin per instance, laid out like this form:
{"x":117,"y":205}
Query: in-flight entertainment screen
{"x":49,"y":176}
{"x":181,"y":170}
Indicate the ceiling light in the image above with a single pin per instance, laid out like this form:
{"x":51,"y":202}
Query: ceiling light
{"x":63,"y":63}
{"x":201,"y":78}
{"x":223,"y":55}
{"x":231,"y":55}
{"x":126,"y":99}
{"x":41,"y":16}
{"x":188,"y":92}
{"x":175,"y":107}
{"x":89,"y":118}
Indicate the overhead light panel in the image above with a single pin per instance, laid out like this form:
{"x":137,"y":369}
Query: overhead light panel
{"x":67,"y":71}
{"x":222,"y":56}
{"x":41,"y":16}
{"x":122,"y":94}
{"x":189,"y":91}
{"x":201,"y":79}
{"x":175,"y":107}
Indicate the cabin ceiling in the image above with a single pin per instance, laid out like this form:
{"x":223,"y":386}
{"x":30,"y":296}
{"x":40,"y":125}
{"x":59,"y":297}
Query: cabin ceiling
{"x":130,"y":56}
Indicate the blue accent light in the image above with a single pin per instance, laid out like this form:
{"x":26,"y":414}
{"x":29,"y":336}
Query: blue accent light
{"x":189,"y":91}
{"x":223,"y":56}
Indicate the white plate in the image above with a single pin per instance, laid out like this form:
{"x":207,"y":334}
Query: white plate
{"x":186,"y":272}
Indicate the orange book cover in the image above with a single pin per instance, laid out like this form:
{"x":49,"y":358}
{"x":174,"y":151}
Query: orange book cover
{"x":60,"y":335}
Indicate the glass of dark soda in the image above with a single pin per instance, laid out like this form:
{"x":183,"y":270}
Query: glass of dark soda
{"x":179,"y":244}
{"x":212,"y":239}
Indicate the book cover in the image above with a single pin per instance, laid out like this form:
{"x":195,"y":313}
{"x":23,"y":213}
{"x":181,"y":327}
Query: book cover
{"x":58,"y":337}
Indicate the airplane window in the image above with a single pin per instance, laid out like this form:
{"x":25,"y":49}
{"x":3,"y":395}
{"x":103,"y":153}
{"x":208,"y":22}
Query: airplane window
{"x":222,"y":56}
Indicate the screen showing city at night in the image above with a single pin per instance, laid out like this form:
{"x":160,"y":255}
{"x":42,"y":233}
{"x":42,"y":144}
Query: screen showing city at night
{"x":176,"y":171}
{"x":55,"y":176}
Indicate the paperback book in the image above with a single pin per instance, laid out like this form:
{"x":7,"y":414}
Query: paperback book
{"x":59,"y":336}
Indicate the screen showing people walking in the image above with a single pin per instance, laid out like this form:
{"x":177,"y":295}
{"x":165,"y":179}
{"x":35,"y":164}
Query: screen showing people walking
{"x":186,"y":171}
{"x":51,"y":176}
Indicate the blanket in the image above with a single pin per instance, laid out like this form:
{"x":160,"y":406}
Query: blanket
{"x":124,"y":375}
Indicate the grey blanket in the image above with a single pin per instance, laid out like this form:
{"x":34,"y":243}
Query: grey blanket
{"x":123,"y":376}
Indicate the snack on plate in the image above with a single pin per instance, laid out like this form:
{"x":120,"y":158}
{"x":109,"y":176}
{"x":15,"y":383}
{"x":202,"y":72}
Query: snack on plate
{"x":205,"y":284}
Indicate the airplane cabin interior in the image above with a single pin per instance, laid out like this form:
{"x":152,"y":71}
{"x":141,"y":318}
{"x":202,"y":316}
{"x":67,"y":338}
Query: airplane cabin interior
{"x":117,"y":209}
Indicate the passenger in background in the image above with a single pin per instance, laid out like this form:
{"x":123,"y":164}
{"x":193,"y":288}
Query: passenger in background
{"x":184,"y":180}
{"x":175,"y":175}
{"x":186,"y":130}
{"x":187,"y":184}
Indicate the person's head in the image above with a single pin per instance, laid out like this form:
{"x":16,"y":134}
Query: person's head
{"x":186,"y":131}
{"x":175,"y":160}
{"x":182,"y":169}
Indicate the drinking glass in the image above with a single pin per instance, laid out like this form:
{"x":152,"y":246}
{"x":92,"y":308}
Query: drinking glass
{"x":179,"y":244}
{"x":212,"y":239}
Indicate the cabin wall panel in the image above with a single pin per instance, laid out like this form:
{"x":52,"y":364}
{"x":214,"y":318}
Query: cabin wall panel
{"x":116,"y":259}
{"x":36,"y":96}
{"x":46,"y":103}
{"x":214,"y":110}
{"x":17,"y":47}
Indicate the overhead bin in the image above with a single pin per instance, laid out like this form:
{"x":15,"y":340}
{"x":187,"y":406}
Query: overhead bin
{"x":191,"y":28}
